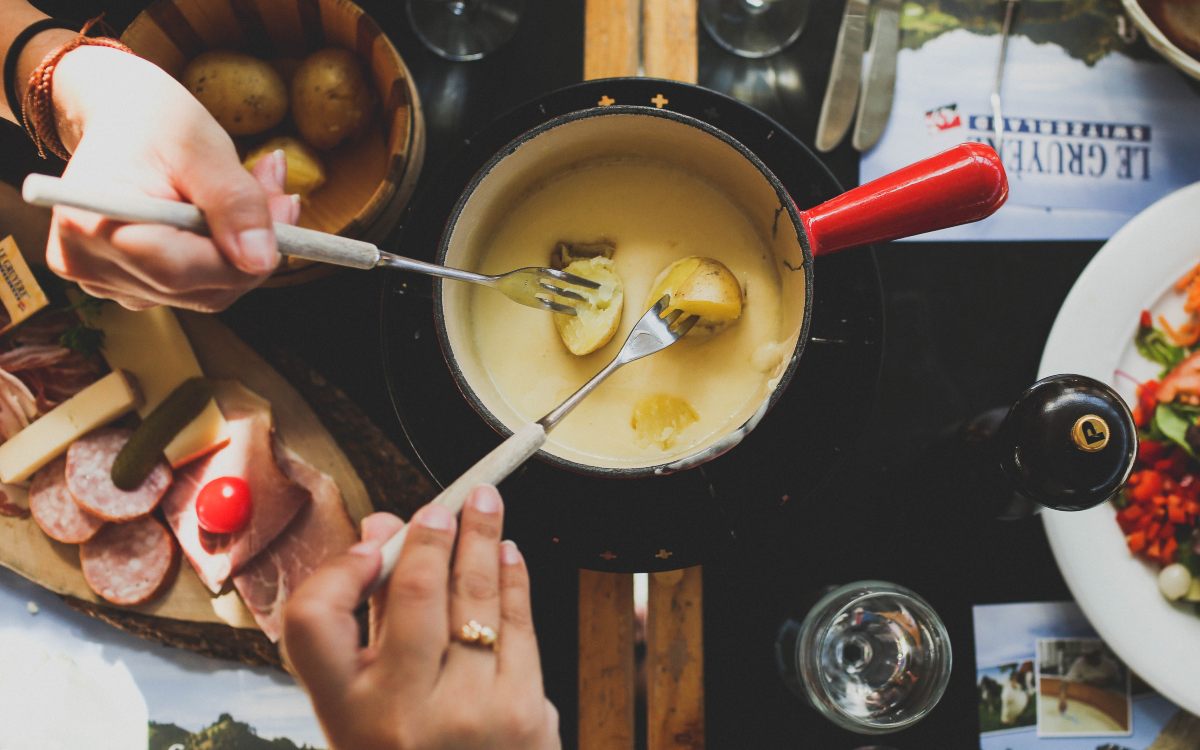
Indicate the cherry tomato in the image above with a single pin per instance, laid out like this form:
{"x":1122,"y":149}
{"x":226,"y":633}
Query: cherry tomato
{"x":223,"y":505}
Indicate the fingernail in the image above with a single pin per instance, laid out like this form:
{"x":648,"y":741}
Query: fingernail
{"x":280,"y":167}
{"x":258,"y":250}
{"x":485,"y":499}
{"x":295,"y":214}
{"x":434,"y":517}
{"x":509,"y":554}
{"x":365,"y":549}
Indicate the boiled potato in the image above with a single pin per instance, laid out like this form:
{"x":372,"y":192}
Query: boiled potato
{"x":659,"y":419}
{"x":596,"y":320}
{"x":331,"y":99}
{"x":244,"y":94}
{"x":304,"y":171}
{"x":703,"y":287}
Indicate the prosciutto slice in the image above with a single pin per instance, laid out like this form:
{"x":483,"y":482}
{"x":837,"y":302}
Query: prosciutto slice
{"x":320,"y":530}
{"x":18,"y":406}
{"x":250,"y":454}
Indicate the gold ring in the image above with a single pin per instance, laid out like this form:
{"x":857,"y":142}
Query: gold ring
{"x":475,"y":634}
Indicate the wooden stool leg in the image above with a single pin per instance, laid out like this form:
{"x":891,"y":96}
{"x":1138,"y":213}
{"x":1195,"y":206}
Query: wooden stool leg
{"x":610,"y":45}
{"x":606,"y":669}
{"x":675,"y":661}
{"x":669,"y":39}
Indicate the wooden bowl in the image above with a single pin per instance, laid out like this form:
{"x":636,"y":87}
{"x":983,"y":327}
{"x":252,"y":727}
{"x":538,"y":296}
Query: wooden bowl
{"x":368,"y":180}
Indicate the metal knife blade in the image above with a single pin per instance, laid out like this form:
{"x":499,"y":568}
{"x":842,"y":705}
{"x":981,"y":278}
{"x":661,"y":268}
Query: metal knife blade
{"x":875,"y":101}
{"x":841,"y":94}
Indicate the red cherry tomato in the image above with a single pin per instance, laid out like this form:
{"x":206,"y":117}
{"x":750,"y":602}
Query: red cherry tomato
{"x":223,"y":505}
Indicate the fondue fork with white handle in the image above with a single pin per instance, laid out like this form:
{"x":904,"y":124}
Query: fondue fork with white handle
{"x":541,"y":288}
{"x":653,"y":333}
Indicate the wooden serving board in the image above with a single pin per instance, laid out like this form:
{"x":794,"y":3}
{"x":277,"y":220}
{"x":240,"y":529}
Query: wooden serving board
{"x":185,"y":614}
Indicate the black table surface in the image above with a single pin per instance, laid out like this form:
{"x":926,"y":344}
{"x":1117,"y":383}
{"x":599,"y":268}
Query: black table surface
{"x":966,"y":323}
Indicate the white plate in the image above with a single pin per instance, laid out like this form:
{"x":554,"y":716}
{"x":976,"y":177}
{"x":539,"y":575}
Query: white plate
{"x":1093,"y":335}
{"x":1159,"y":41}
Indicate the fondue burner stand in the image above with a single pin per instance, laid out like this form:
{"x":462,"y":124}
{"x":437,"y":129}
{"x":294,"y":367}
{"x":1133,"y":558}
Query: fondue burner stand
{"x":658,"y":523}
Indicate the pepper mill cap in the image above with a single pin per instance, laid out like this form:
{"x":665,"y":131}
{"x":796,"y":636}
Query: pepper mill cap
{"x":1068,"y":442}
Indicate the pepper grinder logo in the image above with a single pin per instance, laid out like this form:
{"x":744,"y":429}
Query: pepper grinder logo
{"x":1090,"y":433}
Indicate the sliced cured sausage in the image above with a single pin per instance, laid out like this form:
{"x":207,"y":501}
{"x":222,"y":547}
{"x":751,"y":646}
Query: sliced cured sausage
{"x":55,"y":511}
{"x":129,"y":563}
{"x":89,"y":478}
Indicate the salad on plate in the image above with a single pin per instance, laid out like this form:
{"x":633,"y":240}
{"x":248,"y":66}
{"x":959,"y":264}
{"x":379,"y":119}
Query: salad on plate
{"x":1158,"y":510}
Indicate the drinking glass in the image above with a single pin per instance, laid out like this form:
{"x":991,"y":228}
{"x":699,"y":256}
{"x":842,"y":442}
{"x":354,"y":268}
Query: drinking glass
{"x":872,"y":656}
{"x":464,"y":29}
{"x":754,"y":28}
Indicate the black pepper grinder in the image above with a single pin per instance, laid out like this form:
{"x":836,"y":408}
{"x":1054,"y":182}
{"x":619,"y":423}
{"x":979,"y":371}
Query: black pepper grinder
{"x":1067,"y":443}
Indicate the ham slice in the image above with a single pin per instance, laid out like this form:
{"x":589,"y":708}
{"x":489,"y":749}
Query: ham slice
{"x":320,"y":530}
{"x":250,"y":454}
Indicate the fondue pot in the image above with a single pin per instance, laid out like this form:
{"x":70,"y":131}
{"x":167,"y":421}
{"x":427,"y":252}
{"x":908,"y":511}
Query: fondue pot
{"x":668,"y":515}
{"x":963,"y":184}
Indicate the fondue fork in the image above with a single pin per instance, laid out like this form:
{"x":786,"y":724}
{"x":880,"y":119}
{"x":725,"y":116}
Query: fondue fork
{"x":651,"y":334}
{"x":541,"y":288}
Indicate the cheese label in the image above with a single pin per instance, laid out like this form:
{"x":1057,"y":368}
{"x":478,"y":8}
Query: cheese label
{"x":20,"y":292}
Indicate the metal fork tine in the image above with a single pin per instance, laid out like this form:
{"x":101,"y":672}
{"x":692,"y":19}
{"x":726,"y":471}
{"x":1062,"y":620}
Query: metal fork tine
{"x":661,"y":305}
{"x":672,"y":316}
{"x":570,"y":278}
{"x":681,"y":330}
{"x":557,"y":307}
{"x":562,"y":292}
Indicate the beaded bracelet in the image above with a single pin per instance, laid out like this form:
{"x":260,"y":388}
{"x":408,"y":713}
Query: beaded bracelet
{"x":37,"y":108}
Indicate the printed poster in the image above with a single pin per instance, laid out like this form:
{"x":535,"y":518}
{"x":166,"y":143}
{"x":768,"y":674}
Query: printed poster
{"x":1045,"y":681}
{"x":69,"y":681}
{"x":1096,"y":127}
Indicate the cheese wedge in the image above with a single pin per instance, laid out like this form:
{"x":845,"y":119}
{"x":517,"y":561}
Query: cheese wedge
{"x":46,"y":439}
{"x":151,"y":345}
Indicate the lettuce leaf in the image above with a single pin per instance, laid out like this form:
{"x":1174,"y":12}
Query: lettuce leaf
{"x":1173,"y":425}
{"x":1153,"y":345}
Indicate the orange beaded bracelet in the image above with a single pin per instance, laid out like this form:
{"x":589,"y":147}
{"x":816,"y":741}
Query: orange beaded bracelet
{"x":37,"y":107}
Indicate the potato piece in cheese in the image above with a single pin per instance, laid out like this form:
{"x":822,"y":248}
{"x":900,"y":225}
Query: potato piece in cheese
{"x":44,"y":440}
{"x":151,"y":345}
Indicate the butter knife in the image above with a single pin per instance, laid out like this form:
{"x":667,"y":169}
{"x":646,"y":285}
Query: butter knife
{"x":841,"y":94}
{"x":875,"y":102}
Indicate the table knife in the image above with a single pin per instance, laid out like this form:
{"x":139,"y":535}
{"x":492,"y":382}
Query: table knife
{"x":841,"y":94}
{"x":875,"y":101}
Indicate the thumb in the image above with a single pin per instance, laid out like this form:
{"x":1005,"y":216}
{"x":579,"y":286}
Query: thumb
{"x":235,"y":205}
{"x":320,"y":631}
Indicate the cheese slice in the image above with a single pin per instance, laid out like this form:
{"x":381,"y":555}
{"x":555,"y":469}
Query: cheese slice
{"x":46,"y":439}
{"x":151,"y":345}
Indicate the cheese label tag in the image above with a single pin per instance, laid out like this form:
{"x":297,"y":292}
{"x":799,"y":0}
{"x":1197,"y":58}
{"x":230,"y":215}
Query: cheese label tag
{"x":20,"y":292}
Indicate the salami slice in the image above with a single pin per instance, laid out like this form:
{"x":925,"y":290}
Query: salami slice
{"x":89,"y":478}
{"x":55,"y":510}
{"x":129,"y":563}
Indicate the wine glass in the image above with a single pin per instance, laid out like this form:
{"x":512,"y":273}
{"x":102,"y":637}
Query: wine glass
{"x":872,"y":656}
{"x":463,"y":30}
{"x":754,"y":28}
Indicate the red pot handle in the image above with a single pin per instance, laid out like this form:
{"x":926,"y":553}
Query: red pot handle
{"x":964,"y":184}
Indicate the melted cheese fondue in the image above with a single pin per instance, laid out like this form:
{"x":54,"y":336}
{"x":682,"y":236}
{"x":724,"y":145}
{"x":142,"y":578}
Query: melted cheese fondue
{"x":655,"y":214}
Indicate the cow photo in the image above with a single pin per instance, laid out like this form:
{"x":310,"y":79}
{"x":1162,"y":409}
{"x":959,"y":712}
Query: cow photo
{"x":1007,"y":696}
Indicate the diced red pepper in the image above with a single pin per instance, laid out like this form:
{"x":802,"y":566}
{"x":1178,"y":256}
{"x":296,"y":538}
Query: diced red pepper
{"x":1136,"y":542}
{"x":1168,"y":551}
{"x":1146,"y":320}
{"x":1149,"y":486}
{"x":1150,"y":451}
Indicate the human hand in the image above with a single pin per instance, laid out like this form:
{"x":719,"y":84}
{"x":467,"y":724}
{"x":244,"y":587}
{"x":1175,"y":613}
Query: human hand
{"x":412,"y":687}
{"x":132,"y":126}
